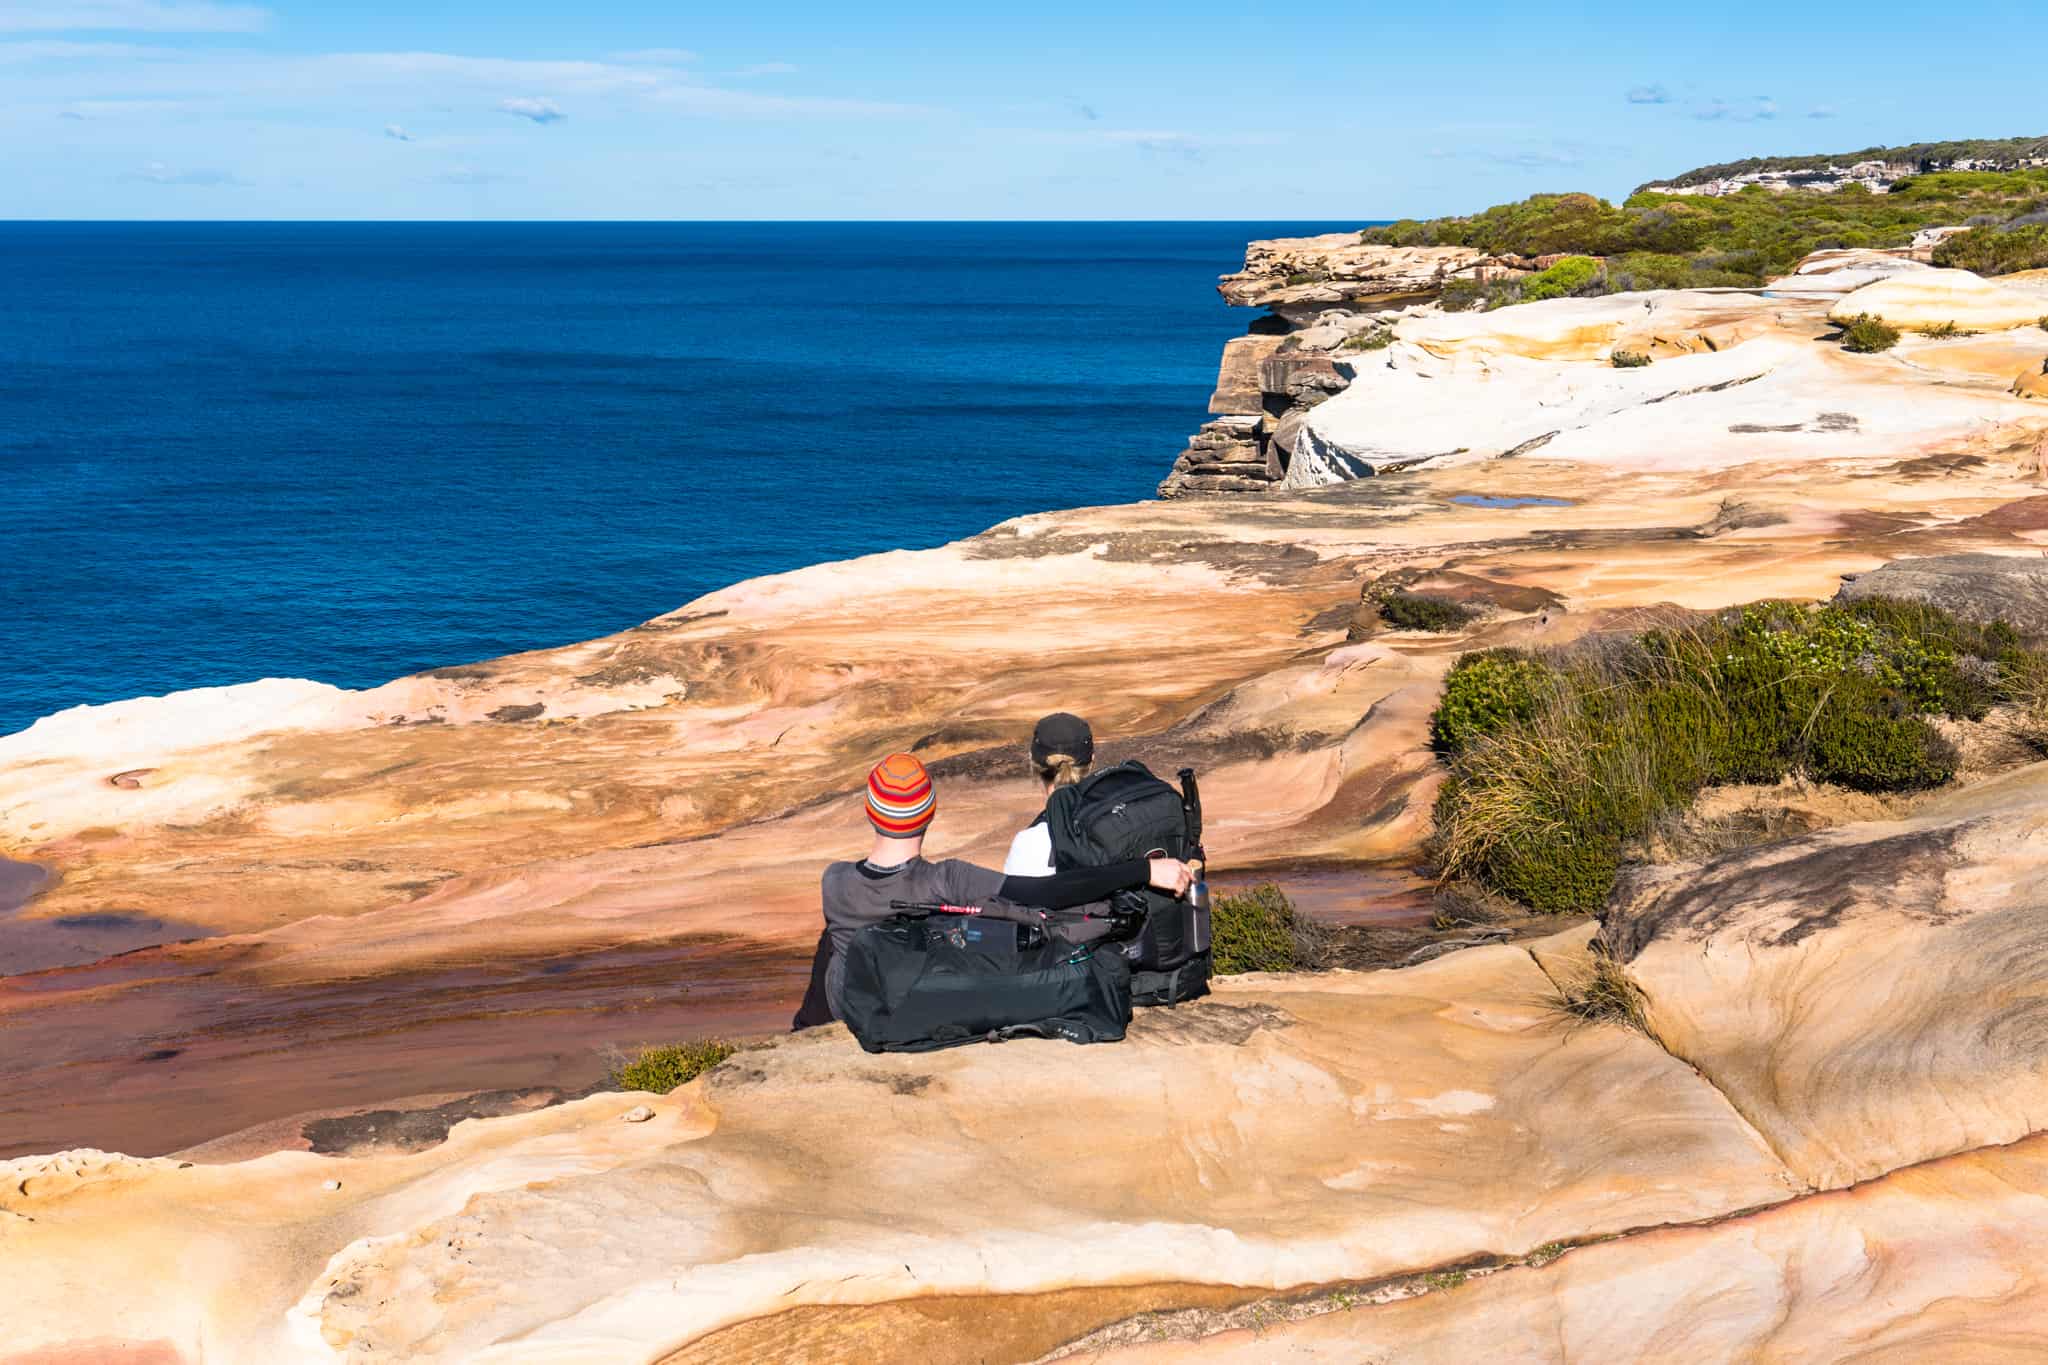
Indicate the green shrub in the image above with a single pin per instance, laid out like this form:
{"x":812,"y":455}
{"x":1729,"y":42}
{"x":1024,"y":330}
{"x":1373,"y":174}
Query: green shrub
{"x":662,"y":1069}
{"x":1261,"y":931}
{"x":1859,"y":739}
{"x":2044,"y":327}
{"x":1560,"y":765}
{"x":1628,"y":360}
{"x":1569,"y":276}
{"x":1990,"y":150}
{"x":1421,"y":611}
{"x":1869,"y":334}
{"x":1945,"y":664}
{"x":1671,"y":241}
{"x":1943,"y":331}
{"x":1995,"y":250}
{"x":1378,"y":339}
{"x":1484,"y":692}
{"x":1462,"y":295}
{"x":1307,"y":277}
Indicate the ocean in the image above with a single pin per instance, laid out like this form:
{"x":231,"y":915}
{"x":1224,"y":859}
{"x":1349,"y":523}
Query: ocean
{"x":352,"y":451}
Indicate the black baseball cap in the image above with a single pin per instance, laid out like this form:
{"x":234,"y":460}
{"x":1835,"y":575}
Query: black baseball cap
{"x":1062,"y":733}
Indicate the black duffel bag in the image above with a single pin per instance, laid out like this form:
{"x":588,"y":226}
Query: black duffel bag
{"x":915,"y":984}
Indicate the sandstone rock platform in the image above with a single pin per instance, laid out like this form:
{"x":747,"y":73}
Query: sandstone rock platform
{"x":477,"y":878}
{"x":1283,"y":1140}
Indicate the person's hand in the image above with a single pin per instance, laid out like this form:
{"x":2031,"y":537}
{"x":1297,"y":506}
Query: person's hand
{"x":1172,"y":876}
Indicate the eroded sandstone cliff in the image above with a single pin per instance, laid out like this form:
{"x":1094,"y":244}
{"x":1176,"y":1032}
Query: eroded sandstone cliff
{"x":472,"y":879}
{"x":1344,"y":377}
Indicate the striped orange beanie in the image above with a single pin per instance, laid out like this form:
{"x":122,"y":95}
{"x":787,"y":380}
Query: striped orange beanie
{"x":901,"y":801}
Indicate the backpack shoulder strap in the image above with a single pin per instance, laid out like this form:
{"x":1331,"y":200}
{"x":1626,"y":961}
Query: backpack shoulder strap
{"x":1058,"y":819}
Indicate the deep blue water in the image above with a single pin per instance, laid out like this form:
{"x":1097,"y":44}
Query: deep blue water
{"x":352,"y":451}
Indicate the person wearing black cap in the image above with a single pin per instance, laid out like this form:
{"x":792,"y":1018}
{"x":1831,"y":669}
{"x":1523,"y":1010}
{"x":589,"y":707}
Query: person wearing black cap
{"x":1062,"y":748}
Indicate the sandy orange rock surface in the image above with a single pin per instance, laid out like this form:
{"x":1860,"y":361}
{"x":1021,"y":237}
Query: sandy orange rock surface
{"x":477,"y":877}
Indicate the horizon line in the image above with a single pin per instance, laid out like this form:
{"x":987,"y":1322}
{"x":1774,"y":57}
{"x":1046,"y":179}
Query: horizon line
{"x":648,"y":222}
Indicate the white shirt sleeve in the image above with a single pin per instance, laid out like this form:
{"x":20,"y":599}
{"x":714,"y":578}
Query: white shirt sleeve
{"x":1030,"y":853}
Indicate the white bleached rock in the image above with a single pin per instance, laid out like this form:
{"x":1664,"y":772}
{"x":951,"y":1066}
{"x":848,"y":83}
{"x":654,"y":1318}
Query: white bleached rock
{"x":1932,"y":298}
{"x":1738,"y":377}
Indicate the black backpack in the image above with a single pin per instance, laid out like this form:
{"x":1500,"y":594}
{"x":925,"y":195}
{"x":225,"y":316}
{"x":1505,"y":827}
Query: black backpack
{"x":919,"y":983}
{"x":1125,"y":812}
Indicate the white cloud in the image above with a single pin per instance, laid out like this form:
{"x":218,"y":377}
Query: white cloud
{"x":466,"y":175}
{"x":1535,"y":158}
{"x":533,"y":107}
{"x":767,"y":69}
{"x":138,"y":16}
{"x":1822,"y":111}
{"x":57,"y":74}
{"x":411,"y":69}
{"x":1755,"y":109}
{"x":99,"y":109}
{"x":58,"y":50}
{"x":157,"y":173}
{"x":1531,"y":153}
{"x":1159,"y":144}
{"x":656,"y":56}
{"x":1649,"y":94}
{"x":715,"y":100}
{"x":396,"y":133}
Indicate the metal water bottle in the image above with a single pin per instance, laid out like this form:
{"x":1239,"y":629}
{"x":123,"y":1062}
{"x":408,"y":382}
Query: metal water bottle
{"x":1198,"y":901}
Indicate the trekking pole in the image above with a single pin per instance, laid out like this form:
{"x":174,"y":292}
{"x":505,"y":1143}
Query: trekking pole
{"x":935,"y":908}
{"x":1191,"y":812}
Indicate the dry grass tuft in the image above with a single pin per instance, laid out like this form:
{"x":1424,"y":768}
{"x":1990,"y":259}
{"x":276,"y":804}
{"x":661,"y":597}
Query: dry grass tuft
{"x":1600,"y":992}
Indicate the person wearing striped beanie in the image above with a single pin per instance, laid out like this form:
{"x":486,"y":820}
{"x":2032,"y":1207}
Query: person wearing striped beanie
{"x":900,"y":801}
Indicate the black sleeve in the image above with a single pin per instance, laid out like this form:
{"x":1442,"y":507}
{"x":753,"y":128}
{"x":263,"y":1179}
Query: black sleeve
{"x":1077,"y":885}
{"x":815,"y":1009}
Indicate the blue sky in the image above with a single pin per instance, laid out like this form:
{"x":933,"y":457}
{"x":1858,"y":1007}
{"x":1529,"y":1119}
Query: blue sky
{"x":796,"y":109}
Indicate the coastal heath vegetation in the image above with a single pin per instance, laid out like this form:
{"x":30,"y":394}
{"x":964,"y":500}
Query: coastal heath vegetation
{"x":1563,"y":763}
{"x":1261,"y":930}
{"x":1869,"y":334}
{"x":2000,"y":152}
{"x":1672,"y":241}
{"x":659,"y":1070}
{"x":1423,"y":611}
{"x":1998,"y":250}
{"x":1374,"y":339}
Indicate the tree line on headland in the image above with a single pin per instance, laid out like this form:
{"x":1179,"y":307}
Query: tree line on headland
{"x":1660,"y":240}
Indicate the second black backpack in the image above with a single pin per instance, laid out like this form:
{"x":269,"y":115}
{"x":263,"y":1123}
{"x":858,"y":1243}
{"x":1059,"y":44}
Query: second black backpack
{"x":1125,"y":812}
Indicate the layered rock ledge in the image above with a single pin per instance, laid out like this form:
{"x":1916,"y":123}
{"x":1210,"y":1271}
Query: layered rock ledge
{"x":472,"y":879}
{"x":1845,"y":1035}
{"x":1344,"y":377}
